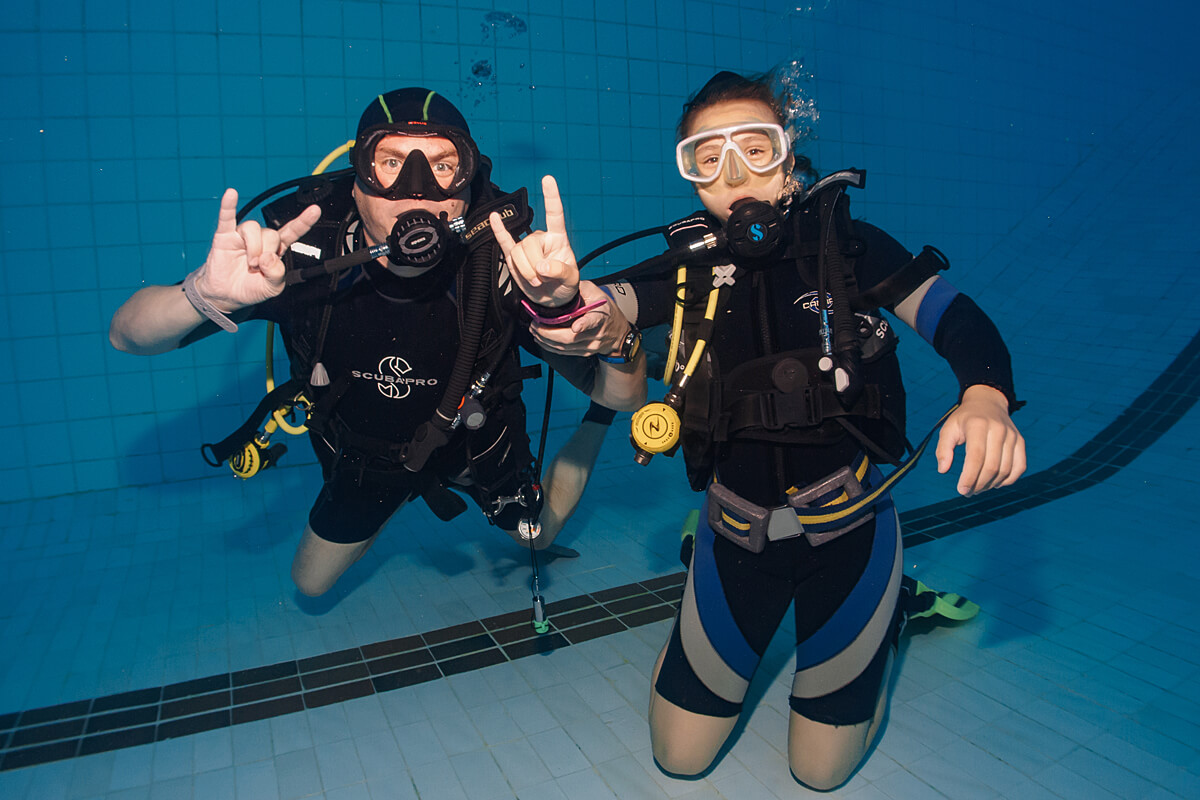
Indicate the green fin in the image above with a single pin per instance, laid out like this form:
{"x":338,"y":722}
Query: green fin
{"x":925,"y":602}
{"x":687,"y":537}
{"x":690,"y":524}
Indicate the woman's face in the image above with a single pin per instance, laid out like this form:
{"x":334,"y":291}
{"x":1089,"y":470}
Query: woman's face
{"x":735,"y":181}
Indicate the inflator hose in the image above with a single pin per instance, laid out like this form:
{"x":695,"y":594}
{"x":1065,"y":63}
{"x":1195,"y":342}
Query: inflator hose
{"x":474,"y":308}
{"x":845,"y":324}
{"x":663,"y":262}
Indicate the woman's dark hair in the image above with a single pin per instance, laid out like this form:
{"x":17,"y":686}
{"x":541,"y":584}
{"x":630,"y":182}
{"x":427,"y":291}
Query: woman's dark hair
{"x":726,"y":86}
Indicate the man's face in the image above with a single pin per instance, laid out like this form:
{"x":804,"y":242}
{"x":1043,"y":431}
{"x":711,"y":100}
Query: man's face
{"x":734,"y":180}
{"x":378,"y":213}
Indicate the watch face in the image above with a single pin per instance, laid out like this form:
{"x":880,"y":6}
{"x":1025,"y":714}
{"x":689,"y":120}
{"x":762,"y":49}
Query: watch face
{"x":628,"y":350}
{"x":633,"y":343}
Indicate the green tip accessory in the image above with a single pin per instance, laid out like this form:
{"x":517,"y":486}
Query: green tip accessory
{"x":540,"y":623}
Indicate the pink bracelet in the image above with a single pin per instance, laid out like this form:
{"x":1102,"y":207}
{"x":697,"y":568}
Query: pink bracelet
{"x":570,"y":311}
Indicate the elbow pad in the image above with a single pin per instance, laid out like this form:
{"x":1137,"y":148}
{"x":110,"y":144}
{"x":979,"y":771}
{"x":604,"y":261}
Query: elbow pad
{"x":969,"y":341}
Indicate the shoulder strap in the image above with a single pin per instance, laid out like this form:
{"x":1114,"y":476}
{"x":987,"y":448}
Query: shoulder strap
{"x":333,"y":195}
{"x":514,"y":211}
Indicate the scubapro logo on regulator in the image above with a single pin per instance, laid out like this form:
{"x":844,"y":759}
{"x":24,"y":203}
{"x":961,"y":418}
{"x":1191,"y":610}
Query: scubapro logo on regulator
{"x":393,"y":379}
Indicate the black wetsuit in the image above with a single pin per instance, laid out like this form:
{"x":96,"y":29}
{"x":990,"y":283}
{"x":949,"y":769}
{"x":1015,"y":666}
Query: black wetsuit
{"x":844,"y":590}
{"x":389,"y":348}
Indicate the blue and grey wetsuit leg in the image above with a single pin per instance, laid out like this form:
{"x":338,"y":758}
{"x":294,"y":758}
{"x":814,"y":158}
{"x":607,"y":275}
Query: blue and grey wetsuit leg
{"x":845,"y":593}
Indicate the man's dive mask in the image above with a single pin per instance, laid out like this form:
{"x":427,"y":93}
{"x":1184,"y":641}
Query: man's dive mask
{"x":396,"y":169}
{"x":758,"y":146}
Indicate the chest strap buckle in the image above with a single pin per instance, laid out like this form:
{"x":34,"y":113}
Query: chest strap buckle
{"x":779,"y":410}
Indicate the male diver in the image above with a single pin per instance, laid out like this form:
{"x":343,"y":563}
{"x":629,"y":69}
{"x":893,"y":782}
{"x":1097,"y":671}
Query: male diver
{"x":784,"y":396}
{"x":401,"y":325}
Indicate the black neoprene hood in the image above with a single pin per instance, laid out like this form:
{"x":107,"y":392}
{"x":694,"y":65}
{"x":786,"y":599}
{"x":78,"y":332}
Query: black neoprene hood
{"x":413,"y":104}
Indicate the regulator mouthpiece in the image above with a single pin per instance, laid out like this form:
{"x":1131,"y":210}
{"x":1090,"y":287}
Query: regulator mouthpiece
{"x":419,"y":239}
{"x":754,"y":229}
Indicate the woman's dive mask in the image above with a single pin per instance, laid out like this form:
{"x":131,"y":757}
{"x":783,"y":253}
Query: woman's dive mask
{"x":757,"y":146}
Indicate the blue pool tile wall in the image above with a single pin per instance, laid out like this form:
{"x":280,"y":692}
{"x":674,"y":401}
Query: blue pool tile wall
{"x":1047,"y":149}
{"x":124,"y":123}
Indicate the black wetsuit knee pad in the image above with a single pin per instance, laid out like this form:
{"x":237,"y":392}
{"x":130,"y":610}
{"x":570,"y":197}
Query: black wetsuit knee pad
{"x":855,"y":702}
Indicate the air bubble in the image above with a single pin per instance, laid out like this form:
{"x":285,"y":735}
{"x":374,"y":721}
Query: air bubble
{"x":792,"y":81}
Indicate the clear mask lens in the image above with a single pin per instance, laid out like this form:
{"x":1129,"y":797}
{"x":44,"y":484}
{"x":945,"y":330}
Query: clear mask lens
{"x":397,"y":164}
{"x":392,"y":153}
{"x":761,"y":147}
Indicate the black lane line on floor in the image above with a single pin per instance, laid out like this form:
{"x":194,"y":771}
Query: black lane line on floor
{"x":80,"y":728}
